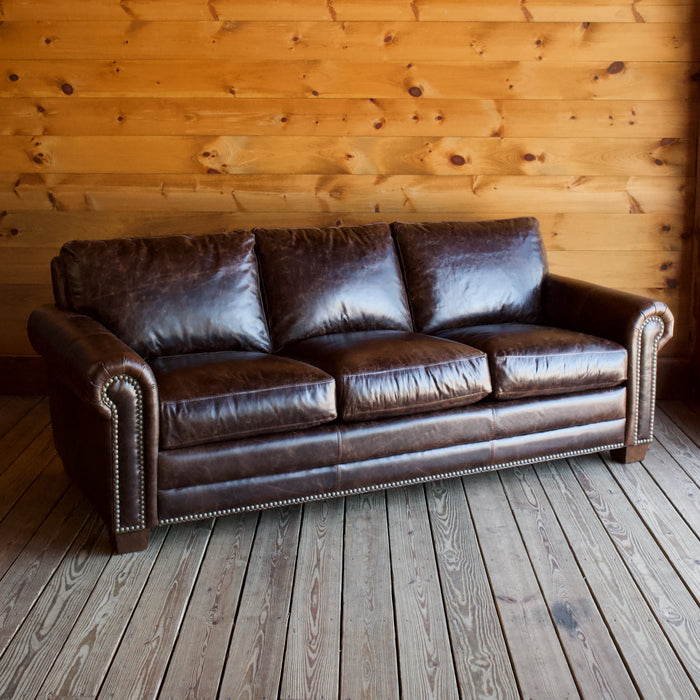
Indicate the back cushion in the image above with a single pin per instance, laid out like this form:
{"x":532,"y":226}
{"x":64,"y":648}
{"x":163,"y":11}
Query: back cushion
{"x":168,"y":295}
{"x":468,"y":273}
{"x":333,"y":280}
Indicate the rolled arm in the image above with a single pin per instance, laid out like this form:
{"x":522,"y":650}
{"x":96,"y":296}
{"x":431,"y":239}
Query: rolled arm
{"x":641,"y":325}
{"x":104,"y":406}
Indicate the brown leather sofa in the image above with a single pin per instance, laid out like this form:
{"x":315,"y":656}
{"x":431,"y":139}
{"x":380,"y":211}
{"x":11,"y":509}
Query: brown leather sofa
{"x":193,"y":377}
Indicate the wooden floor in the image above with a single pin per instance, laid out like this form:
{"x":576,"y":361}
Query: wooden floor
{"x":573,"y":578}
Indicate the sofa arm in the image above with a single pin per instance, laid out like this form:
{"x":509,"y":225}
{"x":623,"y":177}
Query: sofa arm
{"x":641,"y":325}
{"x":104,"y":412}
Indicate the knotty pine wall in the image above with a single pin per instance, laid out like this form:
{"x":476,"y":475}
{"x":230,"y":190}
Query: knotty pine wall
{"x":139,"y":117}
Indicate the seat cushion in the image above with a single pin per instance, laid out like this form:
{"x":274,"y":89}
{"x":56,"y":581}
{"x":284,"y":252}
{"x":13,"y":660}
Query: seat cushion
{"x":389,"y":373}
{"x":530,"y":360}
{"x":333,"y":280}
{"x":168,"y":295}
{"x":210,"y":397}
{"x":462,"y":273}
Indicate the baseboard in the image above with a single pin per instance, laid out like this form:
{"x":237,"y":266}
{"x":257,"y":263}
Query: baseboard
{"x":24,"y":375}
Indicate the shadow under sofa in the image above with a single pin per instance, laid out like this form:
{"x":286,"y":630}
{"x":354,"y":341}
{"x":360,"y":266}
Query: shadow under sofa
{"x":193,"y":377}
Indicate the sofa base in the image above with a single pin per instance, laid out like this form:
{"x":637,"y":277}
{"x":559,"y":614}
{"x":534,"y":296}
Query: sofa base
{"x":633,"y":453}
{"x":129,"y":541}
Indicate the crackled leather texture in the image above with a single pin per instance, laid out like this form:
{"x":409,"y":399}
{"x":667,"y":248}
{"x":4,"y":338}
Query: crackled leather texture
{"x":531,"y":360}
{"x":168,"y":295}
{"x":388,"y":373}
{"x":207,"y":397}
{"x":333,"y":280}
{"x":469,"y":273}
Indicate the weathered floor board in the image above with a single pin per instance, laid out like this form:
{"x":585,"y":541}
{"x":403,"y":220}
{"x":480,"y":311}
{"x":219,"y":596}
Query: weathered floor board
{"x":579,"y":578}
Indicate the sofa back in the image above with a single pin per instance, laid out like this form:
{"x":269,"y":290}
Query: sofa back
{"x":470,"y":273}
{"x":332,"y":280}
{"x":167,"y":295}
{"x":178,"y":294}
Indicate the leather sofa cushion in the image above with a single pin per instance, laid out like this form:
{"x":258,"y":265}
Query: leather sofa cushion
{"x":210,"y":397}
{"x":389,"y":373}
{"x":333,"y":280}
{"x":531,"y":360}
{"x":469,"y":273}
{"x":168,"y":295}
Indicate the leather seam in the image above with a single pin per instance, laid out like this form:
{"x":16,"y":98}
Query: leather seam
{"x":394,"y":370}
{"x":325,"y":382}
{"x":387,"y":485}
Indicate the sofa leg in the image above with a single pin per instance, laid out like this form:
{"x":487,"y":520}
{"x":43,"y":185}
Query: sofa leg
{"x":634,"y":453}
{"x":129,"y":541}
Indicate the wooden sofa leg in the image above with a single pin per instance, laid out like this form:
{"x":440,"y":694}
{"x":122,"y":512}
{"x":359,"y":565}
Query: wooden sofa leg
{"x":130,"y":541}
{"x":635,"y":453}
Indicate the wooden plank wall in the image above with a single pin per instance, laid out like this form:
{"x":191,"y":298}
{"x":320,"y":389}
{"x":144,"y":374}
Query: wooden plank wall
{"x":149,"y":117}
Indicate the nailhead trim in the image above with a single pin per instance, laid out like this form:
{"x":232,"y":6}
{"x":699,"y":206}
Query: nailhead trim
{"x":391,"y":484}
{"x":118,"y":529}
{"x":640,"y":335}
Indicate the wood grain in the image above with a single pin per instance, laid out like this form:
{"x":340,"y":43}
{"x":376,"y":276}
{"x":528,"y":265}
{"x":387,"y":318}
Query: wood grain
{"x":685,"y":452}
{"x":85,"y":657}
{"x":351,"y":40}
{"x":18,"y":476}
{"x":351,"y":111}
{"x":358,"y":155}
{"x":481,"y":658}
{"x":459,"y":116}
{"x":37,"y":644}
{"x":586,"y":641}
{"x":13,"y":409}
{"x":425,"y":660}
{"x":542,"y":670}
{"x":680,"y":489}
{"x":650,"y":567}
{"x":641,"y":642}
{"x":143,"y":654}
{"x":345,"y":10}
{"x":569,"y":232}
{"x":387,"y":196}
{"x":25,"y":431}
{"x":20,"y":524}
{"x":299,"y":78}
{"x":312,"y":656}
{"x":194,"y":670}
{"x":680,"y":544}
{"x":254,"y":663}
{"x":368,"y":662}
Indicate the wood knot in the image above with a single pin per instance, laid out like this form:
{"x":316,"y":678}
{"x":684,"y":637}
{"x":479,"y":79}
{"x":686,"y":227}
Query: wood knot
{"x":415,"y":91}
{"x":67,"y":89}
{"x":615,"y":67}
{"x":458,"y":160}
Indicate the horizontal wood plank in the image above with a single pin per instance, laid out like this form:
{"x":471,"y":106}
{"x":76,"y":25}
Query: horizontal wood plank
{"x":349,"y":40}
{"x":561,"y":232}
{"x":345,"y":10}
{"x":359,"y":155}
{"x":294,"y":78}
{"x":456,"y":116}
{"x":389,"y":196}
